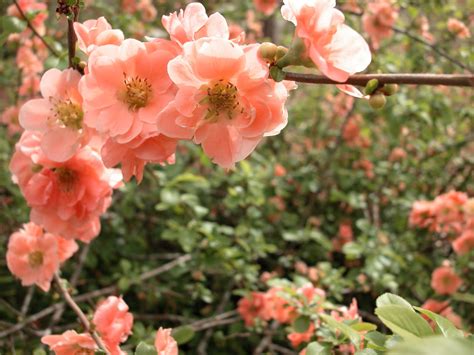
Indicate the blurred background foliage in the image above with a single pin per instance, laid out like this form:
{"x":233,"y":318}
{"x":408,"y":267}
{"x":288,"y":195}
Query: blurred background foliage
{"x":283,"y":205}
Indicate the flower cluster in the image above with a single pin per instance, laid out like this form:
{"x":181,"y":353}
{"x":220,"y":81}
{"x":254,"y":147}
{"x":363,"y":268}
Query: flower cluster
{"x":450,"y":214}
{"x":287,"y":303}
{"x":113,"y":323}
{"x":378,"y":21}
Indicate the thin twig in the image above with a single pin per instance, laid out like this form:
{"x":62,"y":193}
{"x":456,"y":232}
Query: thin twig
{"x":27,"y":301}
{"x":31,"y":27}
{"x":73,"y":282}
{"x":267,"y":339}
{"x":282,"y":350}
{"x":466,"y":80}
{"x":93,"y":294}
{"x":82,"y":317}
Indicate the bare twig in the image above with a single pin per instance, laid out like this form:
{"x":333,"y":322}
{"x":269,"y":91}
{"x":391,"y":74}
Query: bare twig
{"x":27,"y":301}
{"x":466,"y":80}
{"x":267,"y":339}
{"x":93,"y":294}
{"x":33,"y":29}
{"x":82,"y":317}
{"x":73,"y":282}
{"x":282,"y":350}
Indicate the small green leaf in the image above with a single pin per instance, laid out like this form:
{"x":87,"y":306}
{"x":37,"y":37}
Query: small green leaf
{"x":301,"y":324}
{"x":12,"y":24}
{"x":404,"y":321}
{"x":317,"y":349}
{"x":363,"y":326}
{"x":145,"y":349}
{"x":444,"y":325}
{"x":390,"y":298}
{"x":277,"y":74}
{"x":344,"y":328}
{"x":183,"y":334}
{"x":437,"y":345}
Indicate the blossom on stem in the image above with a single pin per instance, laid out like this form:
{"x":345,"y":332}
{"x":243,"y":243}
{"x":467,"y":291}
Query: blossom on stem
{"x":445,"y":281}
{"x":379,"y":19}
{"x":71,"y":342}
{"x":164,"y":342}
{"x":94,"y":33}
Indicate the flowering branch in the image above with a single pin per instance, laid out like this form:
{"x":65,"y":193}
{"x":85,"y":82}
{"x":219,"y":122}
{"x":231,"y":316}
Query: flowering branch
{"x":82,"y":317}
{"x":72,"y":14}
{"x":466,"y":80}
{"x":33,"y":29}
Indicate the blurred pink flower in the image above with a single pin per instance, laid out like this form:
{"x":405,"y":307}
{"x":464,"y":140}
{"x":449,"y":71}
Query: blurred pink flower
{"x":379,"y":19}
{"x":28,"y":61}
{"x":113,"y":322}
{"x":252,"y":307}
{"x":225,"y":100}
{"x":37,"y":10}
{"x":464,"y":243}
{"x":445,"y":281}
{"x":297,"y":338}
{"x":164,"y":342}
{"x":34,"y":256}
{"x":267,"y":7}
{"x":458,"y":28}
{"x":9,"y":117}
{"x":337,"y":50}
{"x":94,"y":33}
{"x":70,"y":343}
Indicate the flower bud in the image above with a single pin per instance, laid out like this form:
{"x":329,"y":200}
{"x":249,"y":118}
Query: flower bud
{"x":371,"y":86}
{"x":390,"y":89}
{"x":281,"y":52}
{"x":377,"y":101}
{"x":267,"y":51}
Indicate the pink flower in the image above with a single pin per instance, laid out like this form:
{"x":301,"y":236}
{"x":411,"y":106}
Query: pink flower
{"x":465,"y":243}
{"x":397,"y":154}
{"x":279,"y":170}
{"x":30,"y":85}
{"x":379,"y":19}
{"x":443,"y":309}
{"x":58,"y":115}
{"x":113,"y":321}
{"x":449,"y":211}
{"x":458,"y":28}
{"x":267,"y":7}
{"x":336,"y":49}
{"x":193,"y":23}
{"x":37,"y":12}
{"x":277,"y":307}
{"x":125,"y":89}
{"x":225,"y":100}
{"x":65,"y":198}
{"x":28,"y":61}
{"x":445,"y":281}
{"x":9,"y":117}
{"x":94,"y":33}
{"x":34,"y":256}
{"x":251,"y":307}
{"x":435,"y":306}
{"x":297,"y":338}
{"x":70,"y":343}
{"x":422,"y":214}
{"x":164,"y":342}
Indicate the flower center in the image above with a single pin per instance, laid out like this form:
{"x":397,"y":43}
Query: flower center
{"x":84,"y":351}
{"x":136,"y":94}
{"x":221,"y":98}
{"x":66,"y":178}
{"x":68,"y":114}
{"x":35,"y":259}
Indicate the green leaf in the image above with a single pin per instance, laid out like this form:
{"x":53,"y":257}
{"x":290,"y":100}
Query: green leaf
{"x":12,"y":24}
{"x":344,"y":328}
{"x":315,"y":348}
{"x":437,"y":345}
{"x":390,"y":299}
{"x":376,"y":340}
{"x":277,"y":74}
{"x":463,"y":297}
{"x":404,"y":321}
{"x":363,"y":326}
{"x":145,"y":349}
{"x":366,"y":352}
{"x":183,"y":334}
{"x":444,"y":325}
{"x":301,"y":324}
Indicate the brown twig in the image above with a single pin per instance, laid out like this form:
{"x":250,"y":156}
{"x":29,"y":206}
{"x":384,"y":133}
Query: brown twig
{"x":82,"y":317}
{"x":93,"y":294}
{"x":267,"y":339}
{"x":35,"y":32}
{"x":466,"y":80}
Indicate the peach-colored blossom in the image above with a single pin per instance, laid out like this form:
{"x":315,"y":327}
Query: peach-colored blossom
{"x":267,"y":7}
{"x":458,"y":28}
{"x":449,"y":211}
{"x":297,"y":338}
{"x":30,"y":85}
{"x":94,"y":33}
{"x":225,"y":100}
{"x":336,"y":49}
{"x":193,"y":23}
{"x":65,"y":198}
{"x":113,"y":322}
{"x":464,"y":243}
{"x":34,"y":256}
{"x":124,"y":90}
{"x":280,"y":170}
{"x":277,"y":307}
{"x":164,"y":342}
{"x":58,"y":115}
{"x":9,"y":117}
{"x":251,"y":307}
{"x":445,"y":281}
{"x":379,"y":19}
{"x":71,"y":343}
{"x":30,"y":7}
{"x":28,"y":61}
{"x":444,"y":309}
{"x":397,"y":154}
